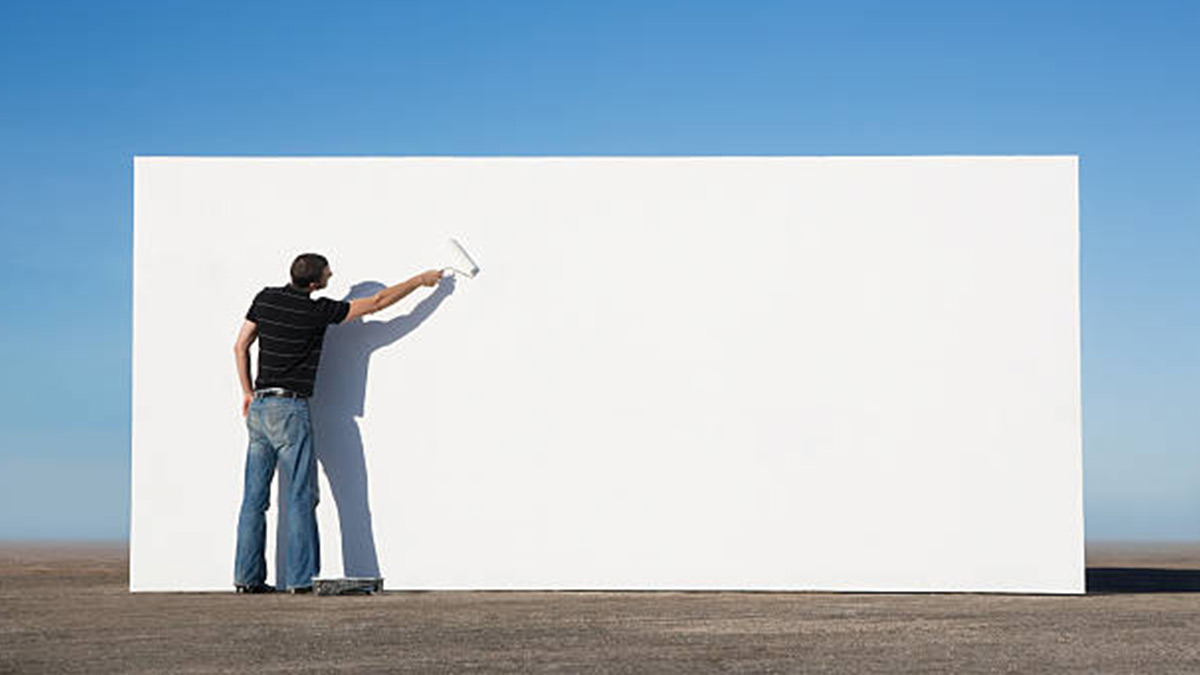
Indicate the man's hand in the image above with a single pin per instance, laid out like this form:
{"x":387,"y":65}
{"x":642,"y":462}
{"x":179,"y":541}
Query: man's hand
{"x":430,"y":278}
{"x":247,"y":398}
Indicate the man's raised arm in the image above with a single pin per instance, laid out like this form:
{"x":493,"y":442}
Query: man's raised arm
{"x":391,"y":295}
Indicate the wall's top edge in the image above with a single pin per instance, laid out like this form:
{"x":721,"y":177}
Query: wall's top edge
{"x":578,"y":157}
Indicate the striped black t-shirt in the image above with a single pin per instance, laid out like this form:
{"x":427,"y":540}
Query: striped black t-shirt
{"x":291,"y":329}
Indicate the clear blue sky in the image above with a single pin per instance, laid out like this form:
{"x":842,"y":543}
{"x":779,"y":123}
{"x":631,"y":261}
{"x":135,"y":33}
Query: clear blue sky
{"x":84,"y":86}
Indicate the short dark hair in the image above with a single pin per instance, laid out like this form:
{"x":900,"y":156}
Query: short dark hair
{"x":307,"y":269}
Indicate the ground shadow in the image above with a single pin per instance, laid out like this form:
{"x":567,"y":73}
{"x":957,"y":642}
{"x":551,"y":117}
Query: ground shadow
{"x":339,"y":395}
{"x":1142,"y":580}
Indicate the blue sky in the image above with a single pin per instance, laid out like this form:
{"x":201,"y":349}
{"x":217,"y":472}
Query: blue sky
{"x":85,"y":86}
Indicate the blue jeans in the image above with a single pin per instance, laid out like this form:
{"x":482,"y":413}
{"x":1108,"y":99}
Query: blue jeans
{"x":280,"y":431}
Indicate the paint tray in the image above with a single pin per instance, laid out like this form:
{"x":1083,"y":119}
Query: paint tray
{"x":348,"y":586}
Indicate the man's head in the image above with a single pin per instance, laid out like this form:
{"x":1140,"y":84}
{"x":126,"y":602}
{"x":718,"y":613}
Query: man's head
{"x":310,"y":272}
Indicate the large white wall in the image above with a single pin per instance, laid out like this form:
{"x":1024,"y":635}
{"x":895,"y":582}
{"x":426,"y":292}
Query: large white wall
{"x":842,"y":373}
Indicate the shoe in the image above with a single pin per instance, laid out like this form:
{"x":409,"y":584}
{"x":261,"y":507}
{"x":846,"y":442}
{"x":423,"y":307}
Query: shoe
{"x":300,"y":589}
{"x":255,"y":588}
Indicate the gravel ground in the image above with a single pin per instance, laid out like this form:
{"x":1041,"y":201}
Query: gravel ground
{"x":66,"y":608}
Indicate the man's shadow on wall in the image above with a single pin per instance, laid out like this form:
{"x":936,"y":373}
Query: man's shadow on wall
{"x":339,"y":394}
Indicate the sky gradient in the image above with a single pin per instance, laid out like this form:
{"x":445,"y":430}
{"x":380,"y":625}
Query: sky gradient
{"x":86,"y":86}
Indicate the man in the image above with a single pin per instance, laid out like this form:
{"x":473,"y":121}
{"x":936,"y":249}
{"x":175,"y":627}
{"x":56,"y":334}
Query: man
{"x":291,"y":327}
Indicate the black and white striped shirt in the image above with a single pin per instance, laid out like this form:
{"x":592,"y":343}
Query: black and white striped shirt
{"x":291,"y":329}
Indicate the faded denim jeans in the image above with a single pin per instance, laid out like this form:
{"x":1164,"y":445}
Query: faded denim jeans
{"x":280,"y":432}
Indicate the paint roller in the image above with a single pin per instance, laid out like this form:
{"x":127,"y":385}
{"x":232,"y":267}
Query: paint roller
{"x":462,"y":261}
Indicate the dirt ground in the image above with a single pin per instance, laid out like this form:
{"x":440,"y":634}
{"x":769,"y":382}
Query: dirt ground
{"x":65,"y":608}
